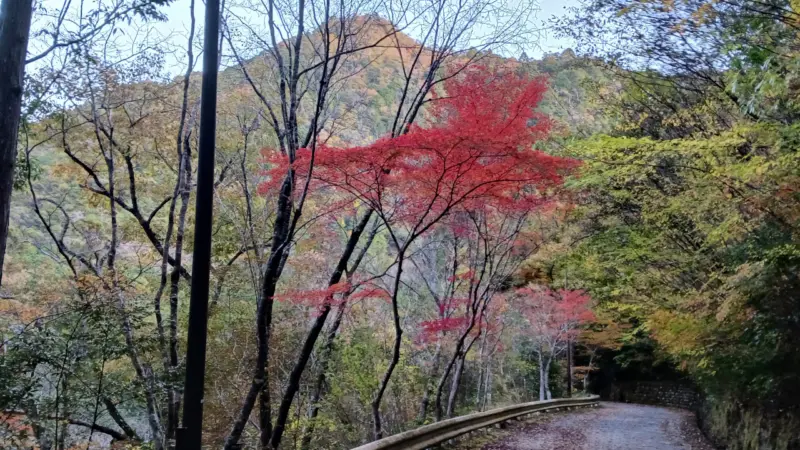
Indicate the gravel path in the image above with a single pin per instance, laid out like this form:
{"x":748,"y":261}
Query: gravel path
{"x":612,"y":426}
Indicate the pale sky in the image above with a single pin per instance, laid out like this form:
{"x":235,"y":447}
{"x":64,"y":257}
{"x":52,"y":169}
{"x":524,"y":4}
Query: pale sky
{"x":178,"y":22}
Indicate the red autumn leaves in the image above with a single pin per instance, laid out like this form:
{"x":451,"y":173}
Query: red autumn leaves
{"x":554,"y":316}
{"x":475,"y":154}
{"x":477,"y":150}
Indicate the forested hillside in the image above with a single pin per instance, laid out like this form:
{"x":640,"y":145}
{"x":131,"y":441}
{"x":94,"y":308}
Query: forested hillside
{"x":685,"y":225}
{"x":405,"y":228}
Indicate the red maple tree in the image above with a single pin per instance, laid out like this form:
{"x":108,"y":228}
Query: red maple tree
{"x":478,"y":150}
{"x":555,"y":318}
{"x":477,"y":153}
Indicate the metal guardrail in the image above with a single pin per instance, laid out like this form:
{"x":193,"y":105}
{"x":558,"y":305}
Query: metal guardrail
{"x":436,"y":433}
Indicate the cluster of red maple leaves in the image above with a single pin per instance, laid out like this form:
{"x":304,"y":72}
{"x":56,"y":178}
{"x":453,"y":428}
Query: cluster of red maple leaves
{"x":477,"y":150}
{"x":476,"y":154}
{"x":555,"y":315}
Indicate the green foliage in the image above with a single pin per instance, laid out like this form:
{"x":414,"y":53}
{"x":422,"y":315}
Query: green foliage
{"x":695,"y":239}
{"x":60,"y":363}
{"x":575,"y":90}
{"x":21,"y":169}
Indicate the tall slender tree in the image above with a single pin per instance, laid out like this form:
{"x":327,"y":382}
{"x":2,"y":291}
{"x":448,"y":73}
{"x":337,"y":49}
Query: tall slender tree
{"x":15,"y":25}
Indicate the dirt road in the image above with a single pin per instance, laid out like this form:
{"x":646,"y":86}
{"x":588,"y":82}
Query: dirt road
{"x":612,"y":426}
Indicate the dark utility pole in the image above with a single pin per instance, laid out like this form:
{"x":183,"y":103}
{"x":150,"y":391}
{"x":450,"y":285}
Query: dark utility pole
{"x":15,"y":25}
{"x":190,"y":434}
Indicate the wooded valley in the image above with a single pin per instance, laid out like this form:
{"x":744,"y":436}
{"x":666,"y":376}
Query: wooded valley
{"x":412,"y":218}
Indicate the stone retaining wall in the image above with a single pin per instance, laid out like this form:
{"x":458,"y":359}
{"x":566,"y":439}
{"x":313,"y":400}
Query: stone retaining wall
{"x":654,"y":393}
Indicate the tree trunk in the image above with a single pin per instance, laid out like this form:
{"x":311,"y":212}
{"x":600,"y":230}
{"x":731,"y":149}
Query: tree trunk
{"x":174,"y":396}
{"x":14,"y":29}
{"x":542,"y":378}
{"x":112,"y":410}
{"x":569,"y":368}
{"x":487,"y":396}
{"x":259,"y":385}
{"x":440,"y":387}
{"x":451,"y":399}
{"x":426,"y":397}
{"x":547,"y":379}
{"x":182,"y":189}
{"x":589,"y":371}
{"x":459,"y":353}
{"x":327,"y":350}
{"x":398,"y":339}
{"x":143,"y":371}
{"x":308,"y":346}
{"x":319,"y":384}
{"x":480,"y":371}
